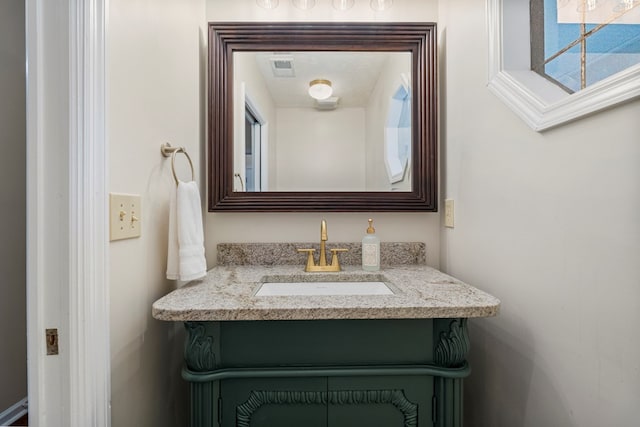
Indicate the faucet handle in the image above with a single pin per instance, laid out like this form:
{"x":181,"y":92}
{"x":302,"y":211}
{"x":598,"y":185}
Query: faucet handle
{"x":335,"y":262}
{"x":310,"y":261}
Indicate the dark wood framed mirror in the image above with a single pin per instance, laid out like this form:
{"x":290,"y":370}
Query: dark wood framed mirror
{"x":398,"y":174}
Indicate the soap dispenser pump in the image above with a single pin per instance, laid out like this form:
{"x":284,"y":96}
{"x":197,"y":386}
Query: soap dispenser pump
{"x":371,"y":249}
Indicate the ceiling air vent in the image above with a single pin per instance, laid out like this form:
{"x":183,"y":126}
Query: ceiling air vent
{"x":330,"y":103}
{"x":282,"y":66}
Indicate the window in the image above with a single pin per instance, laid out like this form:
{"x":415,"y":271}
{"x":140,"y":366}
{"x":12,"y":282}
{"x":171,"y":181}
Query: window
{"x":397,"y":135}
{"x":576,"y":43}
{"x":540,"y":101}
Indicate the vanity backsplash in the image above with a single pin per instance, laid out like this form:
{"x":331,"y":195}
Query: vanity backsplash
{"x":391,"y":253}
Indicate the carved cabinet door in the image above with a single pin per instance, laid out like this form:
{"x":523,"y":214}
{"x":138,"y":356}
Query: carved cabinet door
{"x":269,"y":402}
{"x":377,"y":401}
{"x":380,"y":401}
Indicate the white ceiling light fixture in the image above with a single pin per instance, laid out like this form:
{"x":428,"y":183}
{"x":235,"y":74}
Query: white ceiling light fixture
{"x":380,"y":5}
{"x":343,"y":4}
{"x":587,"y":5}
{"x":320,"y":89}
{"x":625,"y":5}
{"x":304,"y":4}
{"x":268,"y":4}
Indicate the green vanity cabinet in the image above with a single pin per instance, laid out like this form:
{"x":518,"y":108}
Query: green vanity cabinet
{"x":325,"y":360}
{"x":338,"y":373}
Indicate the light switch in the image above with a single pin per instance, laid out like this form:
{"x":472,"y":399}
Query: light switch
{"x":448,"y":213}
{"x":125,"y":215}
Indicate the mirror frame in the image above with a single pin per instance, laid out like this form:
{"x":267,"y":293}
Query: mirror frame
{"x":225,"y":38}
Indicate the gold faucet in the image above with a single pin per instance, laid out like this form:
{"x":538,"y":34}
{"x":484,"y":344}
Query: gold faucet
{"x":322,"y":262}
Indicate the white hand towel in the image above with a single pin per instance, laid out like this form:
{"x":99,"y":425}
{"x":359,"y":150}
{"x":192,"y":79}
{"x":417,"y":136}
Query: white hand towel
{"x":185,"y":256}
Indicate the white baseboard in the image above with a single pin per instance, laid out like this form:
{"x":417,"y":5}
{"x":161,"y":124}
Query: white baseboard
{"x":14,"y":413}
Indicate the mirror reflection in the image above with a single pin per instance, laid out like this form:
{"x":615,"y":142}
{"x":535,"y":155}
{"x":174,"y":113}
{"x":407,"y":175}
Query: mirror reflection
{"x":322,"y":121}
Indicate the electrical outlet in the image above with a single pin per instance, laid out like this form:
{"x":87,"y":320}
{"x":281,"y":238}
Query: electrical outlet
{"x":448,"y":213}
{"x":125,"y":216}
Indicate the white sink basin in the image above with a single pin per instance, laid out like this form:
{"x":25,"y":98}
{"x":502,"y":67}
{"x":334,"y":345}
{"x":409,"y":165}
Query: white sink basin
{"x":323,"y":288}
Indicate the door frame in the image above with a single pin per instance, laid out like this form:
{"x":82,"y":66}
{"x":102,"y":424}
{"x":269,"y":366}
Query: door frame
{"x":67,"y":228}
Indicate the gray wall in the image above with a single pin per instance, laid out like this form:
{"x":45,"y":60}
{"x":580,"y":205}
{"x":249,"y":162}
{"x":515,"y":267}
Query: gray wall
{"x":155,"y":69}
{"x":547,"y":222}
{"x":13,"y":333}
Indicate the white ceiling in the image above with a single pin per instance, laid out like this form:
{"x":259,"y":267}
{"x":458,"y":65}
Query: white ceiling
{"x":353,"y":75}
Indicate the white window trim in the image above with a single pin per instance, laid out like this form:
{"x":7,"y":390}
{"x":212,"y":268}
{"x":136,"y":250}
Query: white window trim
{"x":532,"y":97}
{"x":67,"y":222}
{"x":89,"y":353}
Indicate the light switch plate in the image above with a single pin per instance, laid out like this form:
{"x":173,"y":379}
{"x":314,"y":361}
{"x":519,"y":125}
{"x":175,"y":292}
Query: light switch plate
{"x":448,"y":213}
{"x":125,"y":216}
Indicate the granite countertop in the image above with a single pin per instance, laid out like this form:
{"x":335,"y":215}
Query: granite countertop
{"x":227,"y":293}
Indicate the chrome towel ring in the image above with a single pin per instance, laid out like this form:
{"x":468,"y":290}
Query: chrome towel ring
{"x":167,"y":150}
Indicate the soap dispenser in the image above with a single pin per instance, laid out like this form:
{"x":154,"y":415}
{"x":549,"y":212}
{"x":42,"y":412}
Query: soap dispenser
{"x":371,"y":249}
